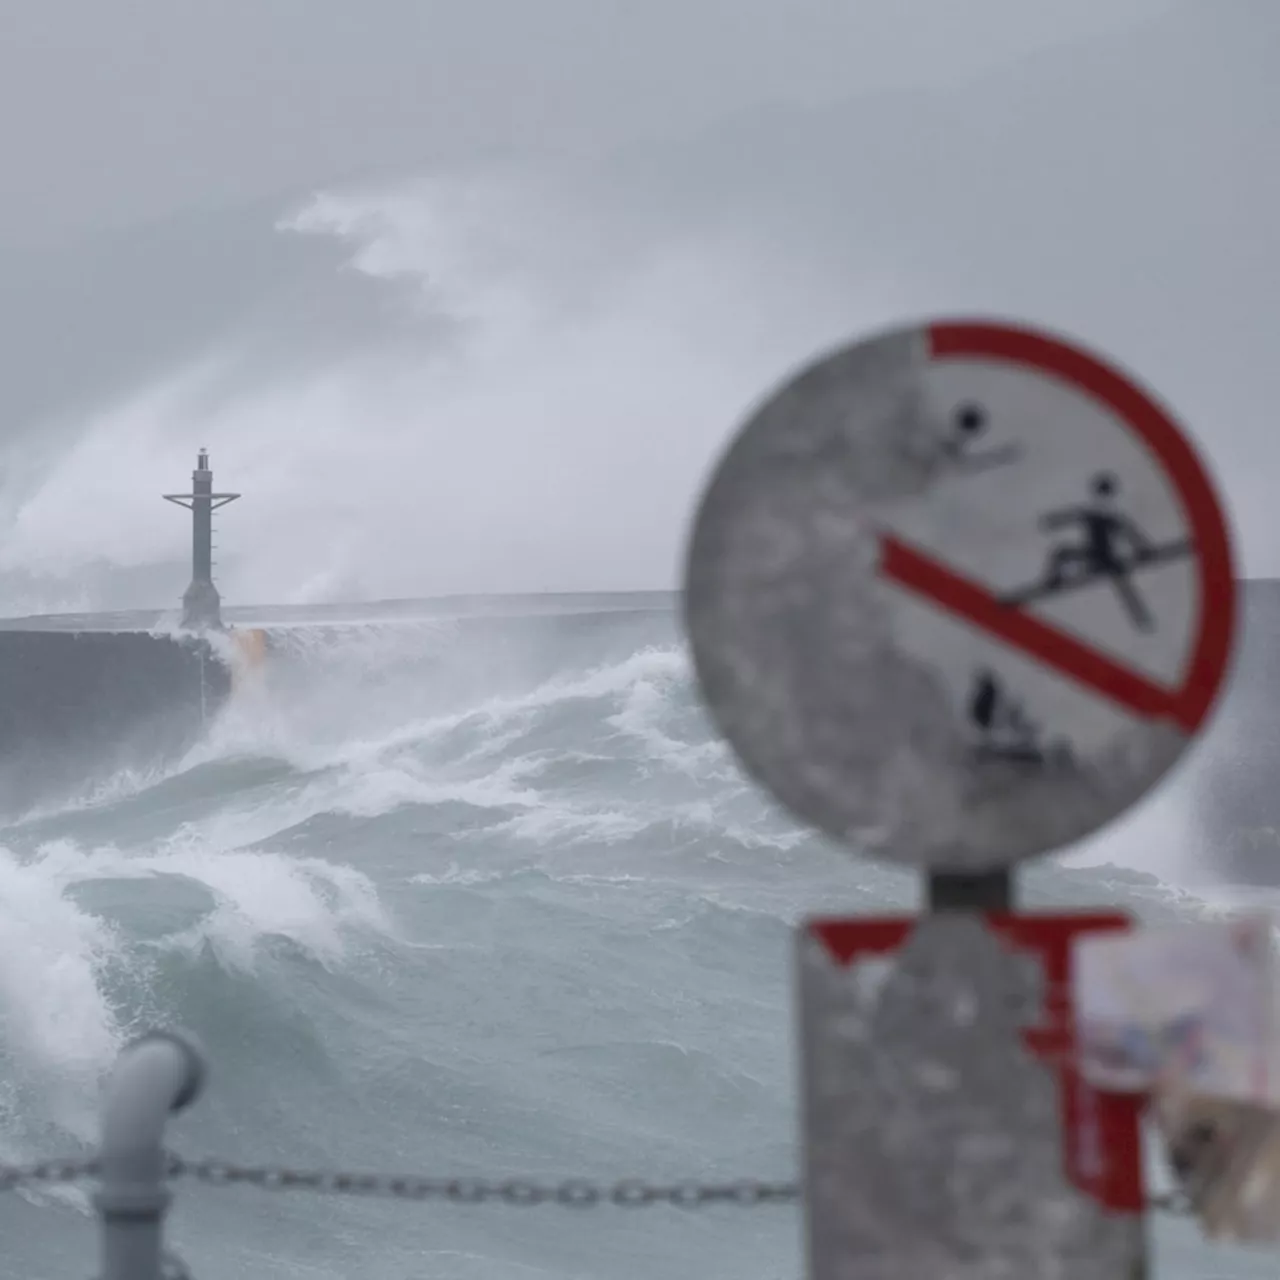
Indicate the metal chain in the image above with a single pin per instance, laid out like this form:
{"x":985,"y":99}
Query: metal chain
{"x":12,"y":1176}
{"x":574,"y":1193}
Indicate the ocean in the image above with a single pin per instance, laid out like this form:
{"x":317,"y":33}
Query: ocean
{"x":478,"y":897}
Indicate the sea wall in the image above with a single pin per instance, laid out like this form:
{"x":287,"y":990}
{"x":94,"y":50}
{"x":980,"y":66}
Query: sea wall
{"x":76,"y":707}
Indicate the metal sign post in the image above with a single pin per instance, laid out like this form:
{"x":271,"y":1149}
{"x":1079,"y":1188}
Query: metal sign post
{"x":959,"y":595}
{"x":945,"y":1124}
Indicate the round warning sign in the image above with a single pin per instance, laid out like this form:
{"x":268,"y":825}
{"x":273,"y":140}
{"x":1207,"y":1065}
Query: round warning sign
{"x":960,"y":594}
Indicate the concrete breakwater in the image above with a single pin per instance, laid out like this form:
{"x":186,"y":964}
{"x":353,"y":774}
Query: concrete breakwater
{"x":84,"y":697}
{"x":76,"y":707}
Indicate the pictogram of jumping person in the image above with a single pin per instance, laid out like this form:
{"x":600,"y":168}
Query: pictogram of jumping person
{"x":1111,"y":545}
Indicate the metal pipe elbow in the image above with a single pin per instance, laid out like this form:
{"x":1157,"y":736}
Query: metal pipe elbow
{"x":157,"y":1075}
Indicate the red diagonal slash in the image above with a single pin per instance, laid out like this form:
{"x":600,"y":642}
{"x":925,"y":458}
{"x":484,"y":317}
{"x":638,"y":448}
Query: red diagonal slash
{"x":1050,"y":646}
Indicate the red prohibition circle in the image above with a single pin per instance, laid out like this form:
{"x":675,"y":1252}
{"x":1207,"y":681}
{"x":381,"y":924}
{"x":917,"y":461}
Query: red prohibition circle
{"x":1211,"y":651}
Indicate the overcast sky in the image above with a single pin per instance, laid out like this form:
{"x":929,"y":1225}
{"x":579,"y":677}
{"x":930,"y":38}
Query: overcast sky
{"x":123,"y":110}
{"x":496,"y":279}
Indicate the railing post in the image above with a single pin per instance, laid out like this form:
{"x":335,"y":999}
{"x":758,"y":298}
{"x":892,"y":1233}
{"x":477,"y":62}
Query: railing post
{"x":157,"y":1075}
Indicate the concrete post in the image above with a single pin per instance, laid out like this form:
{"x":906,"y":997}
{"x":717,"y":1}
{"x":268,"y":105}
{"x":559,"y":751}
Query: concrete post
{"x":159,"y":1074}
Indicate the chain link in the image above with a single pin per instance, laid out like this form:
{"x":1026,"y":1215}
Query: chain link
{"x":573,"y":1193}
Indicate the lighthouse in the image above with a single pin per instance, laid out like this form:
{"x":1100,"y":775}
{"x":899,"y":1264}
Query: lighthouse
{"x":201,"y":606}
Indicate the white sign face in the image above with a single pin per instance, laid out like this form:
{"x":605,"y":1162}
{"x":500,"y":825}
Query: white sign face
{"x":960,"y":595}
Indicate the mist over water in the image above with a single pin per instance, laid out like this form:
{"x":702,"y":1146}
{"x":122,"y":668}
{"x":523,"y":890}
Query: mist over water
{"x":549,"y":388}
